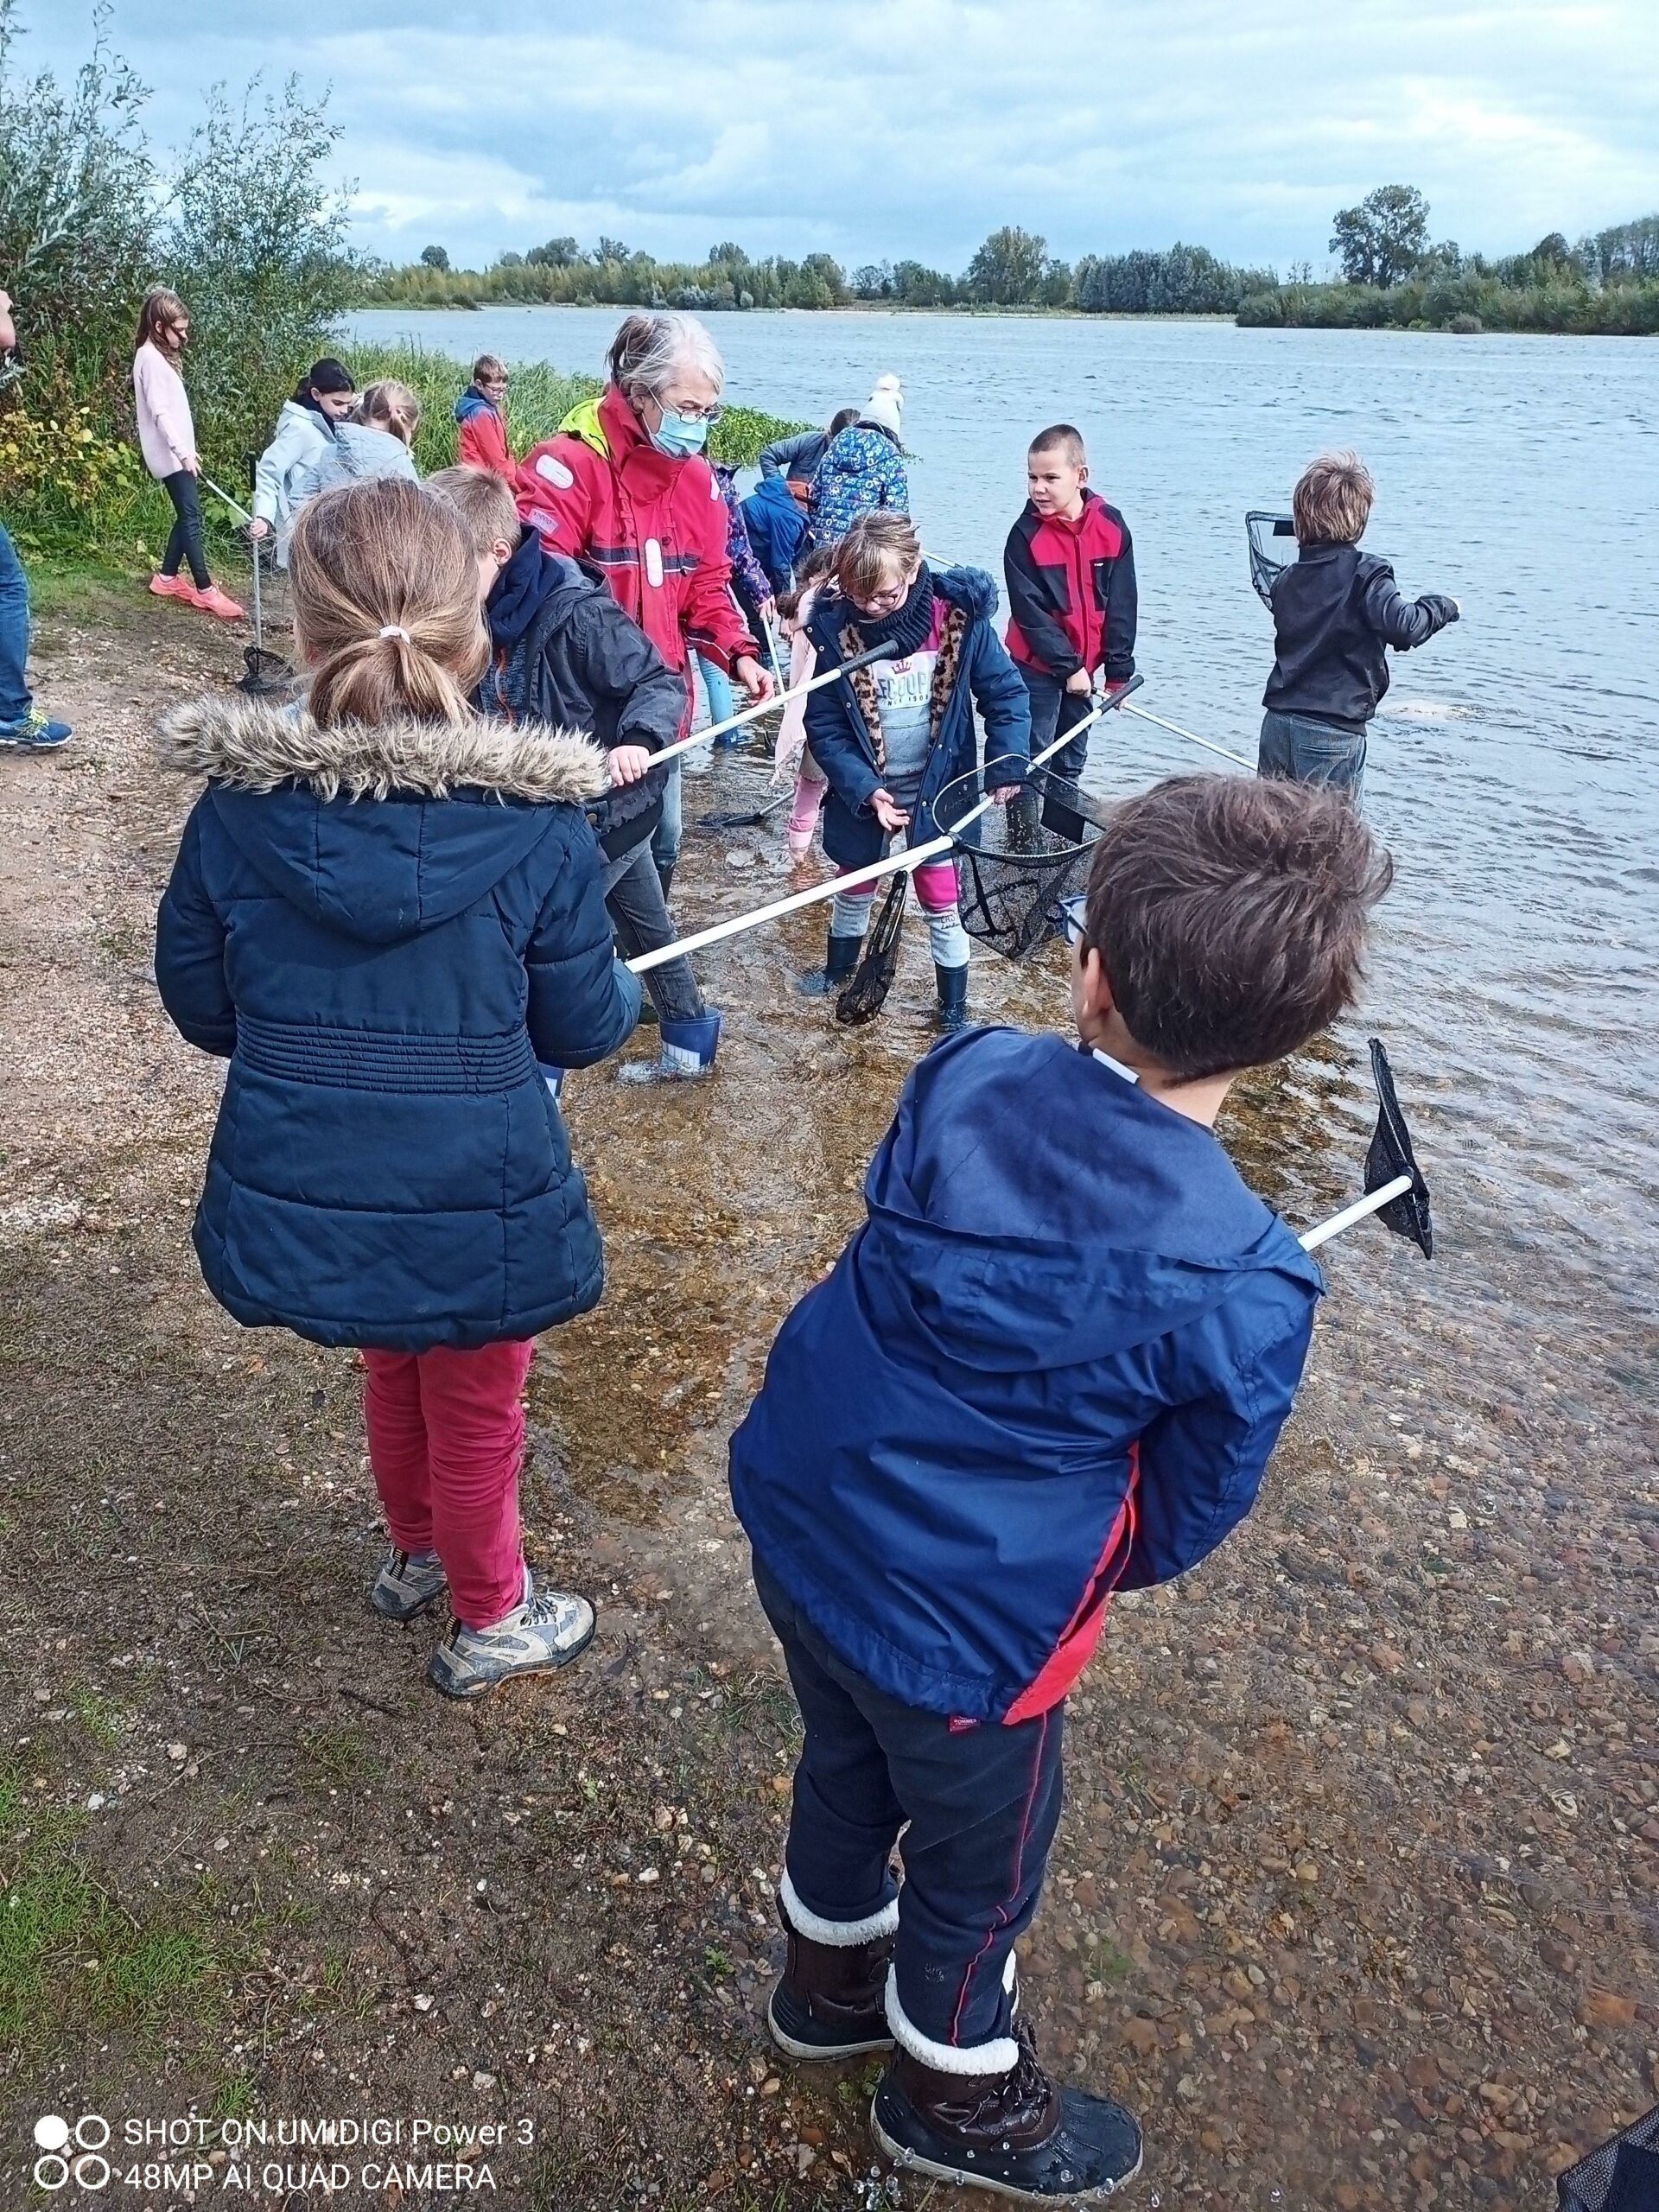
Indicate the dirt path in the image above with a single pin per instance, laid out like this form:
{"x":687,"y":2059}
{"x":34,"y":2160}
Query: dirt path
{"x":1358,"y":1894}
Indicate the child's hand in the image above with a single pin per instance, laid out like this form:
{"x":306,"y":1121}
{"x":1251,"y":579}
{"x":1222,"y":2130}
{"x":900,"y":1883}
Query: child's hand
{"x":1003,"y":793}
{"x":627,"y":764}
{"x":1077,"y":684}
{"x":891,"y":817}
{"x":753,"y":678}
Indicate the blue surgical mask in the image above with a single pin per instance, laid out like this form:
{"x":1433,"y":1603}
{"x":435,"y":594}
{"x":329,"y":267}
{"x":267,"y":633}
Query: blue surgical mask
{"x":680,"y":436}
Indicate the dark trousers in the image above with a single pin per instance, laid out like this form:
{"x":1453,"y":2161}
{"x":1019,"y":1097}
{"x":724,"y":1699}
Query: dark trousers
{"x":1053,"y":710}
{"x":983,"y":1804}
{"x":185,"y":542}
{"x":633,"y":896}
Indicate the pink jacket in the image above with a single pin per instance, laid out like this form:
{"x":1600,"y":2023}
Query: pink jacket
{"x":803,"y":661}
{"x":165,"y":433}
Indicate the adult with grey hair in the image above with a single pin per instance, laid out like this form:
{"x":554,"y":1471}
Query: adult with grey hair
{"x":623,"y":486}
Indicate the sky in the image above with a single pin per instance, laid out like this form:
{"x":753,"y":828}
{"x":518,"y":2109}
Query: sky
{"x":873,"y":129}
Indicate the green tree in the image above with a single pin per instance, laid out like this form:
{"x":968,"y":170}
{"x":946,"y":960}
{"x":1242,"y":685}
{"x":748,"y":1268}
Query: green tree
{"x":557,"y":253}
{"x":609,"y":250}
{"x":435,"y":256}
{"x":509,"y":260}
{"x":1007,"y":270}
{"x":256,"y":245}
{"x":1383,"y":240}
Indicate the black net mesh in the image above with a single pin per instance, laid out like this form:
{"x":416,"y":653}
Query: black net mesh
{"x":1623,"y":2176}
{"x":265,"y":671}
{"x":1272,"y":547}
{"x":866,"y":991}
{"x":1391,"y":1155}
{"x":1015,"y":864}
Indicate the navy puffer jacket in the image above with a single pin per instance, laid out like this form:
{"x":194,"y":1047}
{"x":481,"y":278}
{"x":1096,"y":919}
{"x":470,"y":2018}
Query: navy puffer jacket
{"x":385,"y":929}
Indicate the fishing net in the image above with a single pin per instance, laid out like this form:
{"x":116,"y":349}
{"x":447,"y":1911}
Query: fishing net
{"x":1270,"y":536}
{"x":1390,"y":1155}
{"x":867,"y":993}
{"x":1014,"y":866}
{"x":266,"y":671}
{"x":1622,"y":2176}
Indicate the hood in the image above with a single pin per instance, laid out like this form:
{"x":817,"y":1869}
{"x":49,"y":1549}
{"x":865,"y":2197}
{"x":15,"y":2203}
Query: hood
{"x":969,"y":588}
{"x":472,"y":402}
{"x":775,"y":492}
{"x":383,"y":832}
{"x":583,"y":421}
{"x":296,"y":410}
{"x":525,"y":586}
{"x":1126,"y":1222}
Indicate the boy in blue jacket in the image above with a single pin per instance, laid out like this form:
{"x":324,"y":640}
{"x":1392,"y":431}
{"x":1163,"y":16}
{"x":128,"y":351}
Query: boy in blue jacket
{"x":1051,"y":1363}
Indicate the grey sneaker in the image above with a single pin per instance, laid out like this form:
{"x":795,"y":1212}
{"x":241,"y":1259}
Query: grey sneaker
{"x":549,"y":1629}
{"x":407,"y":1583}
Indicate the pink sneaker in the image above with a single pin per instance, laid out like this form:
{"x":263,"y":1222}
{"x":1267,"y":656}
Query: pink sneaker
{"x":215,"y":601}
{"x":170,"y":586}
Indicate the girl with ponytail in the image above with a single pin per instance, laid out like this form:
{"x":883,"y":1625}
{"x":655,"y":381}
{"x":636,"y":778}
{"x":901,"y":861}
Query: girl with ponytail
{"x":385,"y":912}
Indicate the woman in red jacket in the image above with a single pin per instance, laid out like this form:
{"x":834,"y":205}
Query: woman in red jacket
{"x":623,"y":486}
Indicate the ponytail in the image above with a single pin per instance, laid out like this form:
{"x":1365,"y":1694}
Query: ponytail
{"x":386,"y":605}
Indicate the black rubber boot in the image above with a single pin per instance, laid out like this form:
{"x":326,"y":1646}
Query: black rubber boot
{"x":1019,"y":2133}
{"x":829,"y":2004}
{"x":665,"y":877}
{"x":841,"y":959}
{"x":953,"y":998}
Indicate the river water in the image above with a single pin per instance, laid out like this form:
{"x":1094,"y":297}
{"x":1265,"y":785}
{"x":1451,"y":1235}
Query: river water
{"x":1515,"y":768}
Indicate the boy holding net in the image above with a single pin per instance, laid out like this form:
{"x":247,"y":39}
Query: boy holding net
{"x":1053,"y":1362}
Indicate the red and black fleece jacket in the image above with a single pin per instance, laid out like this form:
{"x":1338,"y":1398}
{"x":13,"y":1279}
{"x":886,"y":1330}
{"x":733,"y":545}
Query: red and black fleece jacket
{"x":1071,"y":592}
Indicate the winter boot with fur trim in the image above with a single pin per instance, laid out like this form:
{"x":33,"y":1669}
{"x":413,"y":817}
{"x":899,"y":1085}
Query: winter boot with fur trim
{"x":829,"y":2003}
{"x":841,"y":959}
{"x":689,"y":1049}
{"x":1014,"y":2130}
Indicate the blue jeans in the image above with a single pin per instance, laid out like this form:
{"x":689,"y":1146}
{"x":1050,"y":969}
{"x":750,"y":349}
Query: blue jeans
{"x":982,"y":1803}
{"x":717,"y":691}
{"x":1301,"y":749}
{"x":1053,"y":710}
{"x":670,"y":832}
{"x":16,"y":697}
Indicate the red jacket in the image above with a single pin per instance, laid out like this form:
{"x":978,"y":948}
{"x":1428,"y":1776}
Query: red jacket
{"x":1071,"y":591}
{"x":483,"y":440}
{"x":654,"y":528}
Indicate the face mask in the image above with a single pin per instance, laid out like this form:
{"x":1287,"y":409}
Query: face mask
{"x":679,"y":436}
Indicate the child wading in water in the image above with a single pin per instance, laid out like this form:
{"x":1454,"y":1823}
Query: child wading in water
{"x":1335,"y":613}
{"x":1051,"y":1363}
{"x":893,"y":735}
{"x":385,"y":911}
{"x":167,"y":437}
{"x":793,"y":755}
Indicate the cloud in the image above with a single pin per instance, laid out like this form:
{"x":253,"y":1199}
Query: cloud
{"x":864,"y":130}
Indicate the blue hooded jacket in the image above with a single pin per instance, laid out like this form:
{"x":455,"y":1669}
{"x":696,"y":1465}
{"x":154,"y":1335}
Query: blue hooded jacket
{"x":1053,"y":1361}
{"x":384,"y":930}
{"x":776,"y":526}
{"x":972,"y":666}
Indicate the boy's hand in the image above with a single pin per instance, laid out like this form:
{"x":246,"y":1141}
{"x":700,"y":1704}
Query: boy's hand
{"x":891,"y":817}
{"x":627,"y":764}
{"x":1079,"y":682}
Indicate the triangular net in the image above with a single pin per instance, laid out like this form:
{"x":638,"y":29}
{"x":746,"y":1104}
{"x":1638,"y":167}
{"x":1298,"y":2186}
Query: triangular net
{"x":266,"y":671}
{"x":1273,"y":548}
{"x":1390,"y":1155}
{"x":866,"y":991}
{"x":1622,"y":2176}
{"x":1015,"y":864}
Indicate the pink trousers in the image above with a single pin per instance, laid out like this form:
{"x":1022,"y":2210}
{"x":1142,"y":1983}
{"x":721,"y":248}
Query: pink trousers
{"x":445,"y":1441}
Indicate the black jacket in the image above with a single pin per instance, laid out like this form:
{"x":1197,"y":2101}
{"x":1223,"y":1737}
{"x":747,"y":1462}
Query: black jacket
{"x":563,"y":653}
{"x":1335,"y":611}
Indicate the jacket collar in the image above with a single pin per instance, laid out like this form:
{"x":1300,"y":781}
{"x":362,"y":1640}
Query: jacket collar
{"x":631,"y":451}
{"x":253,"y":746}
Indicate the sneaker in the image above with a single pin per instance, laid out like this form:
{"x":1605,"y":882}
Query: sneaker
{"x":36,"y":733}
{"x":548,"y":1631}
{"x":215,"y":601}
{"x":407,"y":1583}
{"x":171,"y":587}
{"x":1018,"y":2133}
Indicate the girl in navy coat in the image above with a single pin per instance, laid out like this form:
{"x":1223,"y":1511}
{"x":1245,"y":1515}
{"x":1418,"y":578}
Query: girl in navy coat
{"x":893,"y":735}
{"x":385,"y":912}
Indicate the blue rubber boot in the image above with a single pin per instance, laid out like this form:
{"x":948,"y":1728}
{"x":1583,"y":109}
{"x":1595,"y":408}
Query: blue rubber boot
{"x":688,"y":1053}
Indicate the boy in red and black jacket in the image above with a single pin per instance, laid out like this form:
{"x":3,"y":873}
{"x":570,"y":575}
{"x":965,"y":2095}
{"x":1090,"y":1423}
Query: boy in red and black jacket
{"x":1070,"y":566}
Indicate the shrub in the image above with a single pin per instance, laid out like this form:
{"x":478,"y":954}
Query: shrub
{"x":1466,"y":325}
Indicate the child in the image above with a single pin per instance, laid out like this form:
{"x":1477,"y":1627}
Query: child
{"x":893,"y":735}
{"x":794,"y":754}
{"x":1069,"y":567}
{"x":1053,"y":1362}
{"x":481,"y":420}
{"x":384,"y":912}
{"x":305,"y":430}
{"x":1335,"y":612}
{"x":752,"y":588}
{"x":167,"y":437}
{"x":562,"y":653}
{"x":862,"y":471}
{"x":377,"y":438}
{"x":792,"y":461}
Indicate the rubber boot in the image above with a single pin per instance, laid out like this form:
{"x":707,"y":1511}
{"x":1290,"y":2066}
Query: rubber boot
{"x":689,"y":1049}
{"x":665,"y":877}
{"x":953,"y":998}
{"x":1017,"y":2132}
{"x":829,"y":2003}
{"x":841,"y":957}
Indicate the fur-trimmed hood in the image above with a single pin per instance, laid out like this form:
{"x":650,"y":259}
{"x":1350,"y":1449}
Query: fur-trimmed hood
{"x":384,"y":831}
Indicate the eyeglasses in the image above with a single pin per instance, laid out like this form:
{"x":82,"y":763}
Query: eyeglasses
{"x":1073,"y":917}
{"x":690,"y":413}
